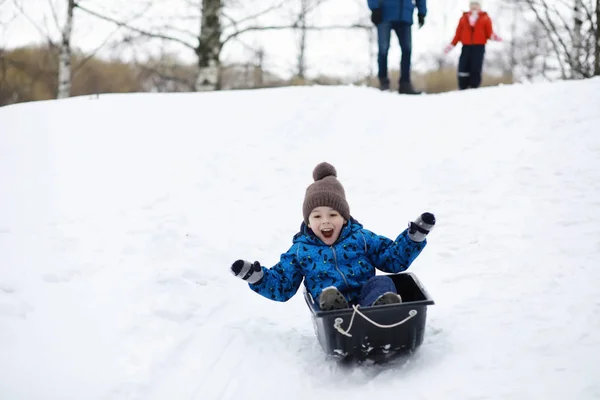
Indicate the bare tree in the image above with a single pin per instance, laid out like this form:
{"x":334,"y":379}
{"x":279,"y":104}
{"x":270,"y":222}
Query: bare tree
{"x":572,"y":30}
{"x":217,"y":29}
{"x":209,"y":46}
{"x":578,"y":46}
{"x":63,"y":46}
{"x":597,"y":41}
{"x":64,"y":59}
{"x":302,"y":47}
{"x":306,"y":7}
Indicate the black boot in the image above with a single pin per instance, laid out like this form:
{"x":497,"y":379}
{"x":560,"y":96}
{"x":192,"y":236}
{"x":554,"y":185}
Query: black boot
{"x":384,"y":85}
{"x":407,"y":88}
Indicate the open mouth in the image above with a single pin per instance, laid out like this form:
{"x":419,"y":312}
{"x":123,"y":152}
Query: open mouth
{"x":327,"y":233}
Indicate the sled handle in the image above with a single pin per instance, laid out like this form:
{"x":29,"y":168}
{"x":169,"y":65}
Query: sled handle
{"x":338,"y":321}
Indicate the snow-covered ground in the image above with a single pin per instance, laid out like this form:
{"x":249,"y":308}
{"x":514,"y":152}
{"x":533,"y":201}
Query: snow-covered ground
{"x":120,"y":217}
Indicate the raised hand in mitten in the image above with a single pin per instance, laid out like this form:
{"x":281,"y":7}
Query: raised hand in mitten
{"x":420,"y":227}
{"x":250,"y":272}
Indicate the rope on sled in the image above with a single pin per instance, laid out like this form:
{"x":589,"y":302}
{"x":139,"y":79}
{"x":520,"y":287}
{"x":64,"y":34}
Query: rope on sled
{"x":338,"y":321}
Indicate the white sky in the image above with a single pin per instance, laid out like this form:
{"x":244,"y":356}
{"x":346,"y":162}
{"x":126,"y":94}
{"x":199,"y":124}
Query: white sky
{"x":343,"y":52}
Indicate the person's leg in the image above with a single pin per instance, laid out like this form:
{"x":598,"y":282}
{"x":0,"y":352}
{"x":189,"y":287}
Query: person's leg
{"x":384,"y":32}
{"x":477,"y":55}
{"x":404,"y":34}
{"x":380,"y":289}
{"x":464,"y":68}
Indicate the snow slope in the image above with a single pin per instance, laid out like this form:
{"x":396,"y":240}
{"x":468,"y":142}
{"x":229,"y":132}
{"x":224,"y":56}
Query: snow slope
{"x":120,"y":216}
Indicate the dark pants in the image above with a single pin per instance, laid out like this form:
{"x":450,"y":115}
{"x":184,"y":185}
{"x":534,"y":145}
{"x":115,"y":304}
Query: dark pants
{"x":470,"y":65}
{"x":384,"y":34}
{"x":375,"y":287}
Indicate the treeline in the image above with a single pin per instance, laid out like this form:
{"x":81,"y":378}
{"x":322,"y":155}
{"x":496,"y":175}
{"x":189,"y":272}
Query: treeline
{"x":30,"y":74}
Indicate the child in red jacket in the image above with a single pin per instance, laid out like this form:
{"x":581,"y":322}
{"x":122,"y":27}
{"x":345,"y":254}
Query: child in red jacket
{"x":473,"y":31}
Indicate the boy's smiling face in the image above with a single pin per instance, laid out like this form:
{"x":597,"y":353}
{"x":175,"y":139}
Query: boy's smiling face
{"x":326,"y":223}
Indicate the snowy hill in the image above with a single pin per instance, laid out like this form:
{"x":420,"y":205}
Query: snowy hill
{"x":121,"y":215}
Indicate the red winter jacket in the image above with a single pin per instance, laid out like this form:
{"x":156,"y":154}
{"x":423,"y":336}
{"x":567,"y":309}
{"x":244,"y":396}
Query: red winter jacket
{"x":478,"y":34}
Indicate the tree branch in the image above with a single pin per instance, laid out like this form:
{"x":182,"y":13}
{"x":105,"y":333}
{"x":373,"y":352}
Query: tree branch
{"x":295,"y":25}
{"x":54,"y":16}
{"x":558,"y":36}
{"x":94,"y":52}
{"x":28,"y":18}
{"x":137,"y":30}
{"x":258,"y":14}
{"x":549,"y":32}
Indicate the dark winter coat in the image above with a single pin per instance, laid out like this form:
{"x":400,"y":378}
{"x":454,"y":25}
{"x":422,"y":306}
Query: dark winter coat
{"x":398,"y":10}
{"x":347,"y":264}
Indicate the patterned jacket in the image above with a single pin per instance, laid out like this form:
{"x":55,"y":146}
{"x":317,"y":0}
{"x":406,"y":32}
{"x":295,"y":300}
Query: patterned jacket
{"x":347,"y":264}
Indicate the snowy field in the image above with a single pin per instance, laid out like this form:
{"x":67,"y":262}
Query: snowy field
{"x":120,"y":216}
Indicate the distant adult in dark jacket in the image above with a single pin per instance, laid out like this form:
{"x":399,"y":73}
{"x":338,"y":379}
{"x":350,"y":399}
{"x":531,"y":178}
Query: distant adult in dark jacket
{"x":473,"y":31}
{"x":396,"y":15}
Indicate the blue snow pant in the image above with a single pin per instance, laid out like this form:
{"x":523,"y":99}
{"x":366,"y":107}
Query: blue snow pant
{"x":470,"y":65}
{"x":375,"y":287}
{"x":384,"y":34}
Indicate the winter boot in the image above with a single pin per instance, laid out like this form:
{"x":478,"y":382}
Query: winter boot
{"x":387,"y":298}
{"x":407,"y":88}
{"x":384,"y":85}
{"x":332,"y":299}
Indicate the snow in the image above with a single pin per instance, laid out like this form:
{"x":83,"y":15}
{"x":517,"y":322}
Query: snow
{"x":120,"y":216}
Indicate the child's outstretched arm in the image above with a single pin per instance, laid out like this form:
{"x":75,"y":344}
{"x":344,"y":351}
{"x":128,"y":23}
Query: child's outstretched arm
{"x":489,"y":31}
{"x":457,"y":34}
{"x":278,"y":283}
{"x":456,"y":38}
{"x":396,"y":256}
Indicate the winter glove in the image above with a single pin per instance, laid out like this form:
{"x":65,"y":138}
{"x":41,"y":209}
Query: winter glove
{"x":421,"y":18}
{"x":376,"y":16}
{"x":251,"y":273}
{"x":420,"y":228}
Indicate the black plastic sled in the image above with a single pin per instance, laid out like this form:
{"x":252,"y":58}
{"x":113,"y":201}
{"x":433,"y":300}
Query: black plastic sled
{"x":376,"y":333}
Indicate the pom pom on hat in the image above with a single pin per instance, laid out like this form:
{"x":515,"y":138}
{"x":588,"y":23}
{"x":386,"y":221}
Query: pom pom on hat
{"x":323,"y":170}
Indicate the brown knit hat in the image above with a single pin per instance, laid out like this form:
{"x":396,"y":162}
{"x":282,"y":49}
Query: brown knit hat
{"x":325,"y":191}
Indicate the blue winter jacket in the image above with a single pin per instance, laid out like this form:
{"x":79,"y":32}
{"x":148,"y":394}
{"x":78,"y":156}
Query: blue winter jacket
{"x":347,"y":264}
{"x":398,"y":10}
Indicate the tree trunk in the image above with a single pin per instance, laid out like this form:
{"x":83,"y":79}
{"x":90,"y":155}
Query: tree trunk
{"x":597,"y":42}
{"x":209,"y":48}
{"x":578,"y":47}
{"x":301,"y":71}
{"x":513,"y":43}
{"x":64,"y":59}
